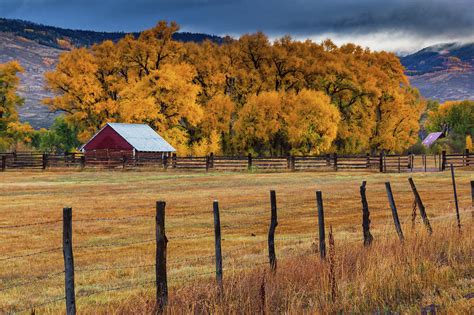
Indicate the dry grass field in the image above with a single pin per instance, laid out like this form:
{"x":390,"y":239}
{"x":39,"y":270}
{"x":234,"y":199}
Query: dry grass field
{"x":114,"y":256}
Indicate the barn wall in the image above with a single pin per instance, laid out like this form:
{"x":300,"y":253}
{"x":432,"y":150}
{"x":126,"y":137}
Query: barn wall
{"x":108,"y":139}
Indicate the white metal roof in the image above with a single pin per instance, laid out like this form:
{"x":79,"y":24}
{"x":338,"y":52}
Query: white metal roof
{"x":142,"y":137}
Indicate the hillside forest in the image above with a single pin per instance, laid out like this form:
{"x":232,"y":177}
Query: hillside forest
{"x":246,"y":95}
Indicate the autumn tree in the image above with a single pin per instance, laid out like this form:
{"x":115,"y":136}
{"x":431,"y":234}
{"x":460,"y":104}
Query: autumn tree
{"x":242,"y":95}
{"x":12,"y":132}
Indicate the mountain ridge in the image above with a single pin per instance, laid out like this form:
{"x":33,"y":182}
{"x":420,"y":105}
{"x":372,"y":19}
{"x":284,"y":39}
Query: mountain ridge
{"x":441,"y":72}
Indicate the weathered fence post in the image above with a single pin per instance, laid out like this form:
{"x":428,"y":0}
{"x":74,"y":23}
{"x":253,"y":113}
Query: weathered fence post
{"x":335,"y":161}
{"x":381,"y":161}
{"x":217,"y":235}
{"x":165,"y":161}
{"x":398,"y":227}
{"x":292,"y":163}
{"x":208,"y":163}
{"x":160,"y":267}
{"x":399,"y":164}
{"x":44,"y":161}
{"x":4,"y":163}
{"x":443,"y":160}
{"x":271,"y":232}
{"x":424,"y":161}
{"x":420,"y":205}
{"x":322,"y":235}
{"x":458,"y":218}
{"x":124,"y":162}
{"x":82,"y":162}
{"x":368,"y":160}
{"x":211,"y":160}
{"x":68,"y":262}
{"x":173,"y":160}
{"x":467,"y":157}
{"x":368,"y":238}
{"x":249,"y":161}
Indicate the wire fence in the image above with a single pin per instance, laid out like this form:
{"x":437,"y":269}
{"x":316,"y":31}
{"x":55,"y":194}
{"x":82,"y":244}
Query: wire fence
{"x":195,"y":267}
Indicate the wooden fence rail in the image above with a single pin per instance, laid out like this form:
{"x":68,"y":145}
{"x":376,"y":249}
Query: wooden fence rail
{"x":329,"y":162}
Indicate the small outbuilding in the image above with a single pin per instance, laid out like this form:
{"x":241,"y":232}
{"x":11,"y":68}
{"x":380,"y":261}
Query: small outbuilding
{"x":116,"y":140}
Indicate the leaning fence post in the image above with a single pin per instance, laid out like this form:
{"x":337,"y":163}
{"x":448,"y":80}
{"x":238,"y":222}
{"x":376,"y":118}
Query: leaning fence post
{"x":160,"y":268}
{"x":398,"y":227}
{"x":217,"y":234}
{"x":458,"y":218}
{"x":271,"y":232}
{"x":68,"y":262}
{"x":322,"y":236}
{"x":368,"y":238}
{"x":420,"y":205}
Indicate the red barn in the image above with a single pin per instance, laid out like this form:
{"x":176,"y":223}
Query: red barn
{"x":126,"y":140}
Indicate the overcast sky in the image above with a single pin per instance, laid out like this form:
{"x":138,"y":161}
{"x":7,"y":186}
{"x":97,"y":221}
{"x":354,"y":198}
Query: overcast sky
{"x":395,"y":25}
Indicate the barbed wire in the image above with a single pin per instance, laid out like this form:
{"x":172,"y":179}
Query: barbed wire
{"x":32,"y":307}
{"x":49,"y":250}
{"x":29,"y":224}
{"x":113,"y":268}
{"x":111,"y":245}
{"x":115,"y":219}
{"x":38,"y":279}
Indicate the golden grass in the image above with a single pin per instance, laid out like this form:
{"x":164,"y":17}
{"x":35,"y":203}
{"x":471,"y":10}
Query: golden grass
{"x":387,"y":276}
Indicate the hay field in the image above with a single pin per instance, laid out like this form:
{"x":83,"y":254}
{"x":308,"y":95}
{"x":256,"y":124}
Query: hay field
{"x":114,"y":256}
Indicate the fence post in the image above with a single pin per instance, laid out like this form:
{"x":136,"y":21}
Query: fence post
{"x":458,"y":218}
{"x":335,"y":161}
{"x":420,"y":205}
{"x":249,"y":161}
{"x":208,"y":163}
{"x":211,"y":160}
{"x":472,"y":198}
{"x":4,"y":162}
{"x":173,"y":161}
{"x":83,"y":162}
{"x":368,"y":160}
{"x":271,"y":232}
{"x":412,"y":162}
{"x":398,"y":227}
{"x":44,"y":161}
{"x":328,"y":159}
{"x":467,"y":157}
{"x":293,"y":163}
{"x":368,"y":238}
{"x":160,"y":268}
{"x":217,"y":235}
{"x":443,"y":160}
{"x":381,"y":161}
{"x":322,"y":236}
{"x":165,"y":161}
{"x":124,"y":162}
{"x":68,"y":262}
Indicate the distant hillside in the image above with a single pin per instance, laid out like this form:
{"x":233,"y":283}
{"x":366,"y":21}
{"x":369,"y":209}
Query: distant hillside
{"x":443,"y":72}
{"x":37,"y":47}
{"x":61,"y":38}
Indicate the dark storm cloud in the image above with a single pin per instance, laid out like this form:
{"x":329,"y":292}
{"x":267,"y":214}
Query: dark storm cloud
{"x":302,"y":18}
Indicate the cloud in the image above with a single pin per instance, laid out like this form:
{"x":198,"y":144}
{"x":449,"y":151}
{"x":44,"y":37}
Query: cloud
{"x":368,"y":20}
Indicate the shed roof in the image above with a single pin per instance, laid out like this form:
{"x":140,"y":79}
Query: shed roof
{"x":432,"y":137}
{"x":141,"y":136}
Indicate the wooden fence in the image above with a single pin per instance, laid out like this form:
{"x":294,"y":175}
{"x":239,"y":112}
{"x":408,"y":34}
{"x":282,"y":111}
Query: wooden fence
{"x":160,"y":280}
{"x":331,"y":162}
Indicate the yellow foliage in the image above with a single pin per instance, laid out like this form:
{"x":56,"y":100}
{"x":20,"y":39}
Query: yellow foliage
{"x":257,"y":96}
{"x":469,"y":142}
